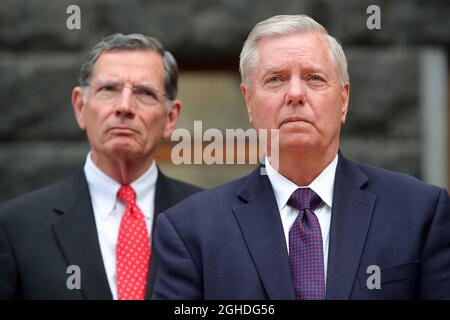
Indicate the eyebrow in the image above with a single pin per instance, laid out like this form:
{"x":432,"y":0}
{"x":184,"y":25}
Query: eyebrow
{"x":315,"y":68}
{"x":145,"y":85}
{"x":272,"y":70}
{"x":281,"y":69}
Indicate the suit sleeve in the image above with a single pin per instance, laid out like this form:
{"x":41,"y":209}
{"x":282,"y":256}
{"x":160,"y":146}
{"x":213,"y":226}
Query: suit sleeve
{"x":435,"y":266}
{"x":8,"y":274}
{"x":178,"y":277}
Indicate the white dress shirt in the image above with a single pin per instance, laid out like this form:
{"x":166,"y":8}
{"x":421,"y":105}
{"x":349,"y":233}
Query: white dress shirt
{"x":323,"y":186}
{"x":108,"y":210}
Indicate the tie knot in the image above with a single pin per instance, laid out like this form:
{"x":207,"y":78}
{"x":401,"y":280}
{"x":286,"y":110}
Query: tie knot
{"x":304,"y":198}
{"x":126,"y":194}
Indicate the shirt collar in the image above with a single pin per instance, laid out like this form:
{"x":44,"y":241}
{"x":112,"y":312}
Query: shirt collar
{"x":104,"y":189}
{"x":283,"y":188}
{"x":143,"y":186}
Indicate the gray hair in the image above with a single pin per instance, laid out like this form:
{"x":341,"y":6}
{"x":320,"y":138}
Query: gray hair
{"x":283,"y":25}
{"x":134,"y":41}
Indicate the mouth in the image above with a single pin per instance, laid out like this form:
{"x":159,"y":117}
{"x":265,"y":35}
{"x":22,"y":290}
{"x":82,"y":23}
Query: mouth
{"x":122,"y":130}
{"x":294,"y":120}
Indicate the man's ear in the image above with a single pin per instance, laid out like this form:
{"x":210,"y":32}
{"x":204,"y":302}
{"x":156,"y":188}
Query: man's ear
{"x":172,"y":118}
{"x":345,"y":96}
{"x":246,"y":94}
{"x":79,"y":105}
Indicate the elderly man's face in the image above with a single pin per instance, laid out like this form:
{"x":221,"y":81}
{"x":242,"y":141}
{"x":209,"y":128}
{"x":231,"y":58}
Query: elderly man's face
{"x":124,"y":112}
{"x":295,"y":88}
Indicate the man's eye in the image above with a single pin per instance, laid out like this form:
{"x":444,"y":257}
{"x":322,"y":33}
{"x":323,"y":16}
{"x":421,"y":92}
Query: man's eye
{"x":315,"y":78}
{"x":144,"y":92}
{"x":108,"y":88}
{"x":274,"y":79}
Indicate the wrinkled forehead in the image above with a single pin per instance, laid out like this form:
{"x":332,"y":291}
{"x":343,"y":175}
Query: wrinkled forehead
{"x":129,"y":66}
{"x":306,"y":48}
{"x":309,"y":45}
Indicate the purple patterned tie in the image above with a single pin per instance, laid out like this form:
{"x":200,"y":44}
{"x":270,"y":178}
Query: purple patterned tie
{"x":305,"y":247}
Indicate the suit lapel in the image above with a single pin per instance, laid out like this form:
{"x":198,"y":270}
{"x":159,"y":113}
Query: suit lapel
{"x":76,"y":233}
{"x":262,"y":229}
{"x":350,"y":219}
{"x":165,"y":197}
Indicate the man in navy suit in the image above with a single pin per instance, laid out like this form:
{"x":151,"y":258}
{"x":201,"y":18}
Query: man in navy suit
{"x":74,"y":239}
{"x":316,"y":225}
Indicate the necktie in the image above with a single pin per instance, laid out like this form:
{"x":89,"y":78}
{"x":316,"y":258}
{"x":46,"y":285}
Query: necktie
{"x":305,"y":247}
{"x":132,"y":250}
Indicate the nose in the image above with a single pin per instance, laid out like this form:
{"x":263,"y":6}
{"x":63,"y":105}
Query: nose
{"x":295,"y":94}
{"x":125,"y":104}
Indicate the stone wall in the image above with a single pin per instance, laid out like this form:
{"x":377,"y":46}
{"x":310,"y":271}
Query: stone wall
{"x":40,"y":58}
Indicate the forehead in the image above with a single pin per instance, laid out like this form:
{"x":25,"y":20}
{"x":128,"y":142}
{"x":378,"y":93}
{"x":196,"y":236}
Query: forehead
{"x":299,"y":49}
{"x":129,"y":65}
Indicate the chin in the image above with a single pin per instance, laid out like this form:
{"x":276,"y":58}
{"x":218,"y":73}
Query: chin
{"x":296,"y":138}
{"x":124,"y":149}
{"x":296,"y":145}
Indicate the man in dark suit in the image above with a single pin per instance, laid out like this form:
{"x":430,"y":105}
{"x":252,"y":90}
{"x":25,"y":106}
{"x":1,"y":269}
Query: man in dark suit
{"x":308,"y":224}
{"x":89,"y":236}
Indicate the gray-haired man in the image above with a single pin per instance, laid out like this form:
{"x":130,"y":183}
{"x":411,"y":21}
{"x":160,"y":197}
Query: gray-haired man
{"x":89,"y":236}
{"x":317,"y":226}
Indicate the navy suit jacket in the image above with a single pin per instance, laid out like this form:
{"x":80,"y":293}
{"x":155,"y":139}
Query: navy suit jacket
{"x":228,"y":242}
{"x":45,"y":231}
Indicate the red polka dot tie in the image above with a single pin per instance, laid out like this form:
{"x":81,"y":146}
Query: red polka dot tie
{"x":133,"y":249}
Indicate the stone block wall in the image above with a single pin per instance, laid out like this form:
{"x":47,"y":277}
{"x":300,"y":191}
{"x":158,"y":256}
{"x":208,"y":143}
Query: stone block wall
{"x":40,"y":58}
